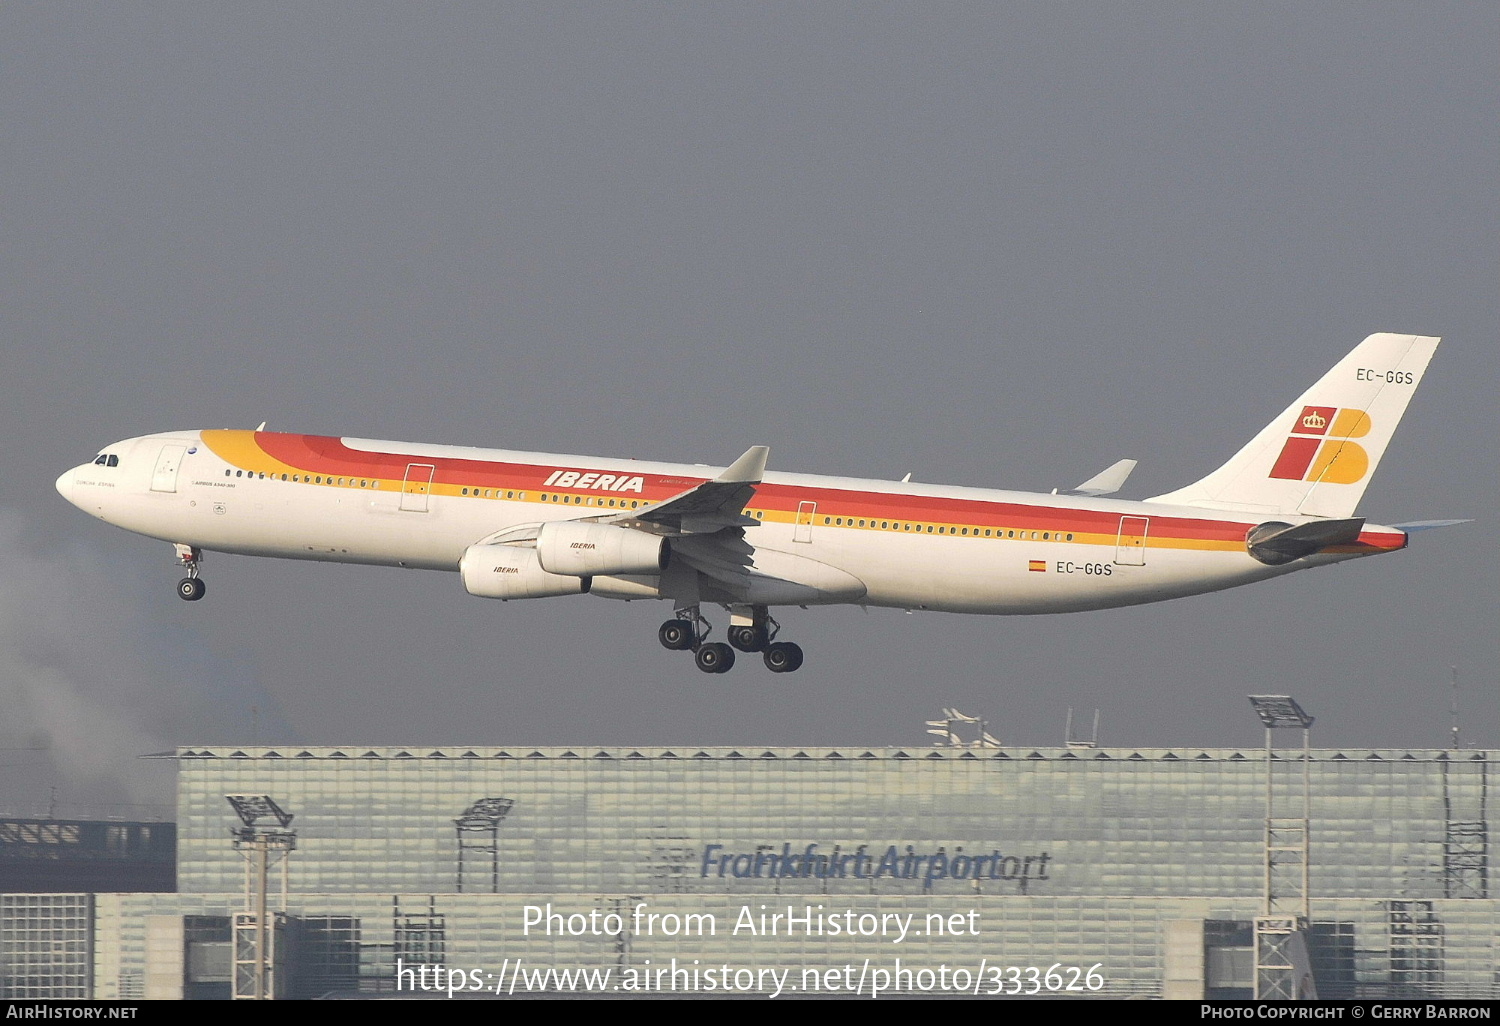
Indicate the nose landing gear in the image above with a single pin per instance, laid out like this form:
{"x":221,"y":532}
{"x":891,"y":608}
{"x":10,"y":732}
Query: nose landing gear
{"x":191,"y":588}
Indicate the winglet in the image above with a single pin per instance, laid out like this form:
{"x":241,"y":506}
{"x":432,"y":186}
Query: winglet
{"x":1106,"y":482}
{"x":749,"y":468}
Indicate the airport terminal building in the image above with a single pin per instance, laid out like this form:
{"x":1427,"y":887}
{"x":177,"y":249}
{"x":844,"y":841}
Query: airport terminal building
{"x":1073,"y":871}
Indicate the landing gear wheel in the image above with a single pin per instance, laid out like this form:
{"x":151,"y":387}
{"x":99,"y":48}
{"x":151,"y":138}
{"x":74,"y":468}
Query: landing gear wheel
{"x":783,"y":657}
{"x":715,"y":657}
{"x":748,"y":639}
{"x":677,"y":635}
{"x":190,"y":589}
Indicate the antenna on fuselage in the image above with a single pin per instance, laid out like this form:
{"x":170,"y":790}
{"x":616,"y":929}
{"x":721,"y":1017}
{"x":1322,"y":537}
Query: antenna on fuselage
{"x":262,"y":426}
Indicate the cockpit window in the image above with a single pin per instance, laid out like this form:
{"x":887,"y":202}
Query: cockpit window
{"x":106,"y":460}
{"x":114,"y":461}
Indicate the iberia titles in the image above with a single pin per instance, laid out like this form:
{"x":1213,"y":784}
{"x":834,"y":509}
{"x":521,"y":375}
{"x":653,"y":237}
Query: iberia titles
{"x":594,"y":481}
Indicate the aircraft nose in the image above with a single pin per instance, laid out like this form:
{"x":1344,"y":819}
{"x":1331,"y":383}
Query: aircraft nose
{"x":65,"y":485}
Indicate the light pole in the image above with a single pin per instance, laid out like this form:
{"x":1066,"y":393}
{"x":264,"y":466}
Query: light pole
{"x":479,"y":832}
{"x":258,"y":843}
{"x":1283,"y":970}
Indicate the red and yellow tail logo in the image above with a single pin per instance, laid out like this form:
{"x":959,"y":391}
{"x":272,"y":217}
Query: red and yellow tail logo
{"x":1320,"y":448}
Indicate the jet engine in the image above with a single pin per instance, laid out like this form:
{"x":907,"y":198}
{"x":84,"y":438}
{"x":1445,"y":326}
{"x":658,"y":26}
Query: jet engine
{"x":579,"y":549}
{"x":508,"y":572}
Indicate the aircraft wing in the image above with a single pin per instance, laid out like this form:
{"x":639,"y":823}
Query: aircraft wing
{"x":1106,"y":482}
{"x":707,"y":522}
{"x":709,"y":507}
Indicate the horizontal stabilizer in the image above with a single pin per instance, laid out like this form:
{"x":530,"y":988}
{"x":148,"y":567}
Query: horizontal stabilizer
{"x":1276,"y":543}
{"x":1428,"y":525}
{"x":1105,"y":482}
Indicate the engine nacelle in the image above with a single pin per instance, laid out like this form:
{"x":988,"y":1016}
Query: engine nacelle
{"x":508,"y":572}
{"x":569,"y":547}
{"x":627,"y":588}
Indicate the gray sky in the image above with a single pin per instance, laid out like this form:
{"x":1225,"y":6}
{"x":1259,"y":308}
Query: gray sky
{"x":997,"y":244}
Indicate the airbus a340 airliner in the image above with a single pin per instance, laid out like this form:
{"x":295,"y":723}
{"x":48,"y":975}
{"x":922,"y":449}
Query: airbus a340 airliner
{"x":525,"y":525}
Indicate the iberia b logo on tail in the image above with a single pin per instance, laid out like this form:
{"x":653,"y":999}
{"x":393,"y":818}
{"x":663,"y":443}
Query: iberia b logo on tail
{"x":1321,"y":448}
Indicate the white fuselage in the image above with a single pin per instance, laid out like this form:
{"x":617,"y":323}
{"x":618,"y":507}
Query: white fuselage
{"x":901,"y":545}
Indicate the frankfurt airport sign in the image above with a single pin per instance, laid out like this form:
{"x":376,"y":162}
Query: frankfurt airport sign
{"x":869,"y":863}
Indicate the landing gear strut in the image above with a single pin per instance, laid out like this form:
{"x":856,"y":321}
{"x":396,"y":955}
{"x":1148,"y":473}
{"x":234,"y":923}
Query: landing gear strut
{"x":752,"y":630}
{"x":689,"y":631}
{"x":191,"y":587}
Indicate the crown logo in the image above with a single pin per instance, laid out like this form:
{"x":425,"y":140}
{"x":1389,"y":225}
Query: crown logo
{"x":1315,"y":421}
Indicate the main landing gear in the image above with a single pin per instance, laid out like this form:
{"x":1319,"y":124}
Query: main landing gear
{"x":191,"y":587}
{"x":689,"y":631}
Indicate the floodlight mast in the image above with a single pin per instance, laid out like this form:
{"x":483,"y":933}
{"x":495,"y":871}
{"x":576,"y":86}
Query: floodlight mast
{"x":258,"y":843}
{"x":479,"y":832}
{"x":1280,"y":929}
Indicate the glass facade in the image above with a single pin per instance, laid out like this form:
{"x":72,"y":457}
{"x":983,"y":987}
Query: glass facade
{"x":1047,"y":822}
{"x":46,"y":941}
{"x":695,"y":871}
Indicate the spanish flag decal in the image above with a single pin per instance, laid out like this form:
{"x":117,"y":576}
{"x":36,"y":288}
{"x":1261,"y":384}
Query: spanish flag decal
{"x":1037,"y":566}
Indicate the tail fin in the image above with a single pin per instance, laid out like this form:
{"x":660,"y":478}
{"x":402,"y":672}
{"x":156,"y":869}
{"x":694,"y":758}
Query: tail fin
{"x":1317,"y":457}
